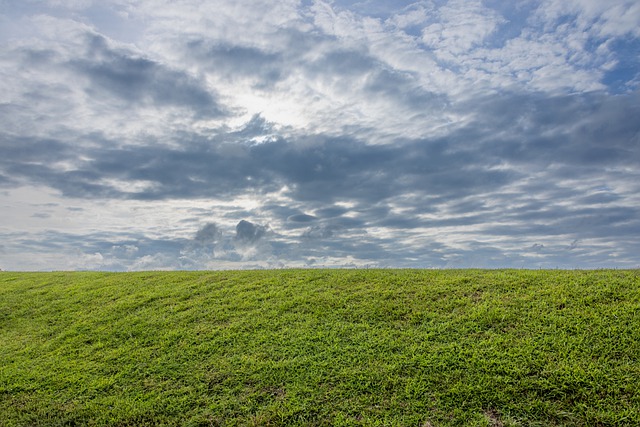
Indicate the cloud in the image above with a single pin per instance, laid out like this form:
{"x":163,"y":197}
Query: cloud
{"x":617,"y":18}
{"x":233,"y":62}
{"x":319,"y":232}
{"x":208,"y":234}
{"x":138,"y":80}
{"x":461,"y":25}
{"x":302,"y":218}
{"x":248,"y":233}
{"x":445,"y":134}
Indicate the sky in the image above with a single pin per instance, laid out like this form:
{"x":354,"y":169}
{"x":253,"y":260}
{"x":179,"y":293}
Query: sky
{"x":150,"y":135}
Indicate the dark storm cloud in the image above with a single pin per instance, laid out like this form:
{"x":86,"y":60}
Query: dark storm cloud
{"x":135,"y":79}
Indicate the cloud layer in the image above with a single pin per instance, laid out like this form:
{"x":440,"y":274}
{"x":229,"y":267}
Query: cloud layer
{"x":251,"y":134}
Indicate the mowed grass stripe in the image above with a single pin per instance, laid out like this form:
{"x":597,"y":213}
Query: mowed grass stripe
{"x":321,"y":347}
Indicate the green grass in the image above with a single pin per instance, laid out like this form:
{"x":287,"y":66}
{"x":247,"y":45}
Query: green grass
{"x":321,"y":348}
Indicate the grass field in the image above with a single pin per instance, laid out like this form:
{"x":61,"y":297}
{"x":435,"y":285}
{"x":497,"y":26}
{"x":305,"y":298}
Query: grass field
{"x":321,"y":348}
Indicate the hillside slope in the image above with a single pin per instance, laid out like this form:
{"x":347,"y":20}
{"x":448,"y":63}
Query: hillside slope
{"x":321,"y":347}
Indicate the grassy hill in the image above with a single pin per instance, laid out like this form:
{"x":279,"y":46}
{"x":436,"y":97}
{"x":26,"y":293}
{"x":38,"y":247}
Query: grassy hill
{"x":321,"y":347}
